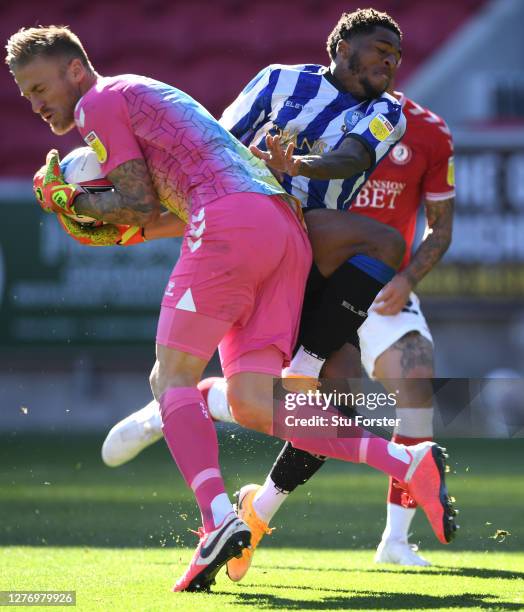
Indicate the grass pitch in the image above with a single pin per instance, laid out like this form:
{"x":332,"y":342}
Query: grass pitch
{"x":281,"y":579}
{"x":120,"y":537}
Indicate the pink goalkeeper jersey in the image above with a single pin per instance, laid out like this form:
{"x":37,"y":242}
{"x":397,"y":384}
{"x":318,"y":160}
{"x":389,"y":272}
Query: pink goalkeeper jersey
{"x":191,"y":158}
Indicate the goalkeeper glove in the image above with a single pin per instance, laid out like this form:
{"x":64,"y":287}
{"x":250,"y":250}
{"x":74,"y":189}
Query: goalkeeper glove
{"x":51,"y":190}
{"x":102,"y":235}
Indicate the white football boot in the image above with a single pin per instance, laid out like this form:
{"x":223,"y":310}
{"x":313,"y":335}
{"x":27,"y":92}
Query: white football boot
{"x":400,"y":553}
{"x":131,"y":435}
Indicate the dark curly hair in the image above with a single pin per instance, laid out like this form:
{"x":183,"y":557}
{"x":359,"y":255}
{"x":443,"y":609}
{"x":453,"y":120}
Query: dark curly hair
{"x":47,"y":41}
{"x":361,"y":21}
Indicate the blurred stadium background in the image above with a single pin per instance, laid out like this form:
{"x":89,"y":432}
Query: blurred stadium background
{"x":77,"y":325}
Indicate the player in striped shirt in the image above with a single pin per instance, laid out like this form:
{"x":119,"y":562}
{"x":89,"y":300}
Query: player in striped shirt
{"x":266,"y":107}
{"x":395,"y":340}
{"x":343,"y":110}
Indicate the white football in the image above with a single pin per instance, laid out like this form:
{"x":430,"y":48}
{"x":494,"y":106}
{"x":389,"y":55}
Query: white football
{"x":81,"y":167}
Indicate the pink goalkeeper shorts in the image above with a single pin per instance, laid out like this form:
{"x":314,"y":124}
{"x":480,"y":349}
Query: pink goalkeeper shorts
{"x":239,"y":284}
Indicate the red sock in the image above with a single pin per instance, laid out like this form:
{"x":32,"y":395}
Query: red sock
{"x":191,"y":438}
{"x":395,"y":494}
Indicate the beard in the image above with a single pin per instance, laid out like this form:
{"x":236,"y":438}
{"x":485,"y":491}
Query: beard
{"x":62,"y":126}
{"x":66,"y":120}
{"x":369,"y":90}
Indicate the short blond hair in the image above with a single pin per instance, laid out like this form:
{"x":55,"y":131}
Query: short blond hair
{"x":44,"y":41}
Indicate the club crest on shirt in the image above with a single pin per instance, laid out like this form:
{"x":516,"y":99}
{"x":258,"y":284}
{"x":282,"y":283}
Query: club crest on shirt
{"x":400,"y":154}
{"x":380,"y":127}
{"x":97,"y":145}
{"x":351,"y":118}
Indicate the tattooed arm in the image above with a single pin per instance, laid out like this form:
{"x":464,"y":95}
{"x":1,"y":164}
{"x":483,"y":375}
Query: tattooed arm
{"x":437,"y":239}
{"x":132,"y":202}
{"x":395,"y":294}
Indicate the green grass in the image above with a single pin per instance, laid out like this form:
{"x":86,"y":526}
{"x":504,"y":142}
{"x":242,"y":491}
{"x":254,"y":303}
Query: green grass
{"x":120,"y":537}
{"x":282,"y":579}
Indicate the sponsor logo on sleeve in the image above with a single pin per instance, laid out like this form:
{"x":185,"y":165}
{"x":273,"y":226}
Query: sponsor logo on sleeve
{"x":380,"y":127}
{"x":98,"y":147}
{"x":451,"y":172}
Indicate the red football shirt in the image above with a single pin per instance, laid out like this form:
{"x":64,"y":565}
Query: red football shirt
{"x":419,"y":167}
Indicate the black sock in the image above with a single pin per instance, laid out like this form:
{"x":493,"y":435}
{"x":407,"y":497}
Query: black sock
{"x":294,"y":467}
{"x":341,"y":306}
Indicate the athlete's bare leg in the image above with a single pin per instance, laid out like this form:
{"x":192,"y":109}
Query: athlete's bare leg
{"x":406,"y":368}
{"x":338,"y":235}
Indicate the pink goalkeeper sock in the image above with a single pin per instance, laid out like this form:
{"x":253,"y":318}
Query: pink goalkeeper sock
{"x":191,"y":438}
{"x":345,"y":442}
{"x":365,"y":447}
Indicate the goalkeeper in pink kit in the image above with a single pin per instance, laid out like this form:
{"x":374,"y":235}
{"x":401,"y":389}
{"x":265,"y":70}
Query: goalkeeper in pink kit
{"x":238,"y":284}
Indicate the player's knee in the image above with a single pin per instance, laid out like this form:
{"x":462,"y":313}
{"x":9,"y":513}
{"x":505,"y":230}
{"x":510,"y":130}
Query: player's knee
{"x":241,"y":404}
{"x":248,"y":409}
{"x":416,"y":356}
{"x":390,"y":245}
{"x":408,"y":366}
{"x":154,"y":382}
{"x":420,"y":371}
{"x":343,"y":364}
{"x":163,"y":378}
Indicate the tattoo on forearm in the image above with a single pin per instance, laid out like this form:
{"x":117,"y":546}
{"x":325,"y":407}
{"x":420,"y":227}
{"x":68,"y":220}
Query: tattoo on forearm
{"x":132,"y":202}
{"x":440,"y":220}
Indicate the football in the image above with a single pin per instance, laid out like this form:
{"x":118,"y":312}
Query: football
{"x":81,"y":167}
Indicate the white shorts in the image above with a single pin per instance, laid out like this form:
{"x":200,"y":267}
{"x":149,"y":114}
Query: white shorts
{"x":379,"y":332}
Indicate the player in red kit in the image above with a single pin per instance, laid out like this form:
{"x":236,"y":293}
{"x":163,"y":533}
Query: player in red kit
{"x":395,"y":340}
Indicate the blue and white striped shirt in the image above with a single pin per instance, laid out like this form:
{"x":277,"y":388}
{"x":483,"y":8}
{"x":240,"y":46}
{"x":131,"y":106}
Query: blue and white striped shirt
{"x":302,"y":106}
